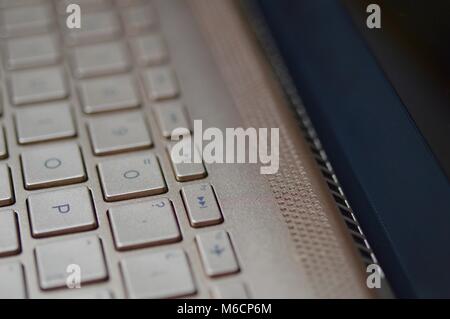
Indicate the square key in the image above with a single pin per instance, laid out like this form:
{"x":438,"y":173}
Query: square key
{"x":9,"y":235}
{"x":201,"y":205}
{"x":100,"y":59}
{"x":109,"y":94}
{"x":96,"y":26}
{"x":54,"y":259}
{"x":150,"y":49}
{"x":230,"y":290}
{"x":119,"y":133}
{"x":32,"y":51}
{"x":171,"y":115}
{"x":44,"y":123}
{"x":161,"y":83}
{"x":61,"y":212}
{"x":41,"y":85}
{"x":22,"y":20}
{"x":217,"y":253}
{"x":138,"y":18}
{"x":12,"y":281}
{"x":144,"y":224}
{"x":131,"y":177}
{"x":184,"y":165}
{"x":54,"y":165}
{"x":158,"y":275}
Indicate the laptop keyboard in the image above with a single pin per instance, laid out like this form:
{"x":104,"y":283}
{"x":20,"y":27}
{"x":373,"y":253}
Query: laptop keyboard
{"x":115,"y":66}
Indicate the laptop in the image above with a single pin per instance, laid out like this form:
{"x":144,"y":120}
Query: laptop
{"x":202,"y":149}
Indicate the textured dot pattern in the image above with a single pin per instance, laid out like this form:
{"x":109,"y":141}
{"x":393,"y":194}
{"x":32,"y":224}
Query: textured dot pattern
{"x":317,"y":246}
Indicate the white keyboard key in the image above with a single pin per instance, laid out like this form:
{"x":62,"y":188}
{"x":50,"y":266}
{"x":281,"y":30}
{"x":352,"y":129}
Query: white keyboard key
{"x":131,"y":177}
{"x":61,"y":212}
{"x":184,"y":165}
{"x":100,"y":59}
{"x":118,"y":133}
{"x":217,"y":253}
{"x":150,"y":49}
{"x":33,"y":51}
{"x":109,"y":94}
{"x":44,"y":123}
{"x":138,"y":18}
{"x":161,"y":83}
{"x":201,"y":205}
{"x":6,"y":188}
{"x":25,"y":20}
{"x":38,"y":85}
{"x":96,"y":26}
{"x":9,"y":237}
{"x":144,"y":224}
{"x":230,"y":290}
{"x":12,"y":281}
{"x":53,"y":261}
{"x":171,"y":115}
{"x":3,"y":148}
{"x":54,"y":165}
{"x":158,"y":275}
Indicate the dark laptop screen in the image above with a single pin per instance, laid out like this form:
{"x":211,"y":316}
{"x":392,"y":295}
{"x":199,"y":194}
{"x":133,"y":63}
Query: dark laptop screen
{"x":413,"y":48}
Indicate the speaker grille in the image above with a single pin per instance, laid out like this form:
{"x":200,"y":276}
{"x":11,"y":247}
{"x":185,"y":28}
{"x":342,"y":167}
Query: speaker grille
{"x":318,"y":247}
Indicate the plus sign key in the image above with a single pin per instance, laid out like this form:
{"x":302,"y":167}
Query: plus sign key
{"x":217,"y":253}
{"x":201,"y":205}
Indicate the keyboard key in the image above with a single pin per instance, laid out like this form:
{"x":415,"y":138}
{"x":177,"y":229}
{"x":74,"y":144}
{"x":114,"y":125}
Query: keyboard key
{"x":171,"y":115}
{"x":109,"y":94}
{"x":3,"y":148}
{"x":138,"y":18}
{"x":184,"y":165}
{"x":32,"y":51}
{"x":54,"y":165}
{"x":96,"y":26}
{"x":100,"y":59}
{"x":161,"y":83}
{"x":217,"y":253}
{"x":144,"y":224}
{"x":158,"y":275}
{"x":201,"y":205}
{"x":12,"y":281}
{"x":230,"y":290}
{"x":23,"y":20}
{"x":6,"y":188}
{"x":150,"y":49}
{"x":9,"y":238}
{"x":53,"y":261}
{"x":131,"y":177}
{"x":61,"y":212}
{"x":118,"y":133}
{"x":44,"y":123}
{"x":38,"y":85}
